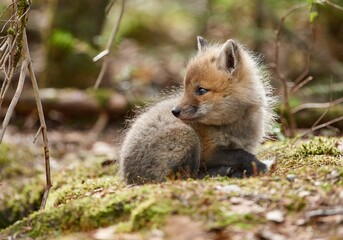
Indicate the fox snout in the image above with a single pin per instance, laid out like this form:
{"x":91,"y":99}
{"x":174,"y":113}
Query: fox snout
{"x":176,"y":111}
{"x":186,"y":113}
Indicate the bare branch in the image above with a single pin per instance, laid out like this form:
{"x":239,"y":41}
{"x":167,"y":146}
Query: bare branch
{"x":38,"y":132}
{"x":108,"y":47}
{"x":300,"y":81}
{"x":317,"y":105}
{"x":301,"y":84}
{"x":323,"y":125}
{"x":14,"y":99}
{"x":13,"y":51}
{"x":314,"y":126}
{"x":285,"y":91}
{"x":333,"y":4}
{"x":41,"y":119}
{"x":326,"y":110}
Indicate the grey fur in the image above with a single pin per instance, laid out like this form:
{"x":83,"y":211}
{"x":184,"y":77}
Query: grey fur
{"x":202,"y":43}
{"x":157,"y":145}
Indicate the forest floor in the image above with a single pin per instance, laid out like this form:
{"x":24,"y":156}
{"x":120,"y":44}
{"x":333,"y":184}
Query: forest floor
{"x":301,"y":198}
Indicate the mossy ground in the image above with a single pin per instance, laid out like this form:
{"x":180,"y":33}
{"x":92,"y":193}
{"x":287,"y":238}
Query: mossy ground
{"x":88,"y":201}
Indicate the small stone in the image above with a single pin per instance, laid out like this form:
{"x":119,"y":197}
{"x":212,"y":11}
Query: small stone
{"x":290,"y":177}
{"x":156,"y":234}
{"x":272,"y":191}
{"x":105,"y":233}
{"x":317,"y":183}
{"x":333,"y":175}
{"x":235,"y":200}
{"x":229,"y":188}
{"x":102,"y":148}
{"x":300,"y":222}
{"x":275,"y":216}
{"x":340,"y":146}
{"x":341,"y":195}
{"x":269,"y":235}
{"x":304,"y":194}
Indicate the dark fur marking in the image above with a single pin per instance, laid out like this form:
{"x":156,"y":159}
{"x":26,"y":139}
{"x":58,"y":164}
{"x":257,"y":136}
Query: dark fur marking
{"x":235,"y":163}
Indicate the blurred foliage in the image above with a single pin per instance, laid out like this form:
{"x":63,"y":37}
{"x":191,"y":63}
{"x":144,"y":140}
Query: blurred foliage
{"x":62,"y":39}
{"x":156,"y":38}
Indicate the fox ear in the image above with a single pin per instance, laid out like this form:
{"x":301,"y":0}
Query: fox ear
{"x":202,"y":43}
{"x":229,"y":56}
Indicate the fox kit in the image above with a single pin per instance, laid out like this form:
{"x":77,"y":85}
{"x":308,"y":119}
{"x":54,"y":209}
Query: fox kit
{"x":211,"y":127}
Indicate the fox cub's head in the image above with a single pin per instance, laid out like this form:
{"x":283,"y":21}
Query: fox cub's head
{"x":222,"y":82}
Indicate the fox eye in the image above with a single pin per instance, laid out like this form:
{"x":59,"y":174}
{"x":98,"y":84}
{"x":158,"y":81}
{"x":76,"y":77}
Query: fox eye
{"x":201,"y":91}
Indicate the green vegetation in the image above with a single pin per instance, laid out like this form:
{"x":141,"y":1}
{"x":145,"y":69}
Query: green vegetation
{"x":89,"y":196}
{"x":21,"y":184}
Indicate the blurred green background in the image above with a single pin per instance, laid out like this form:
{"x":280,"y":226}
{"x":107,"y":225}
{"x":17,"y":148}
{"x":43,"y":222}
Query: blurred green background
{"x":156,"y":38}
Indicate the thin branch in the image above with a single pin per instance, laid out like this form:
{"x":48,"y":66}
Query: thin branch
{"x":323,"y":125}
{"x":314,"y":127}
{"x":11,"y":54}
{"x":36,"y":136}
{"x":326,"y":110}
{"x":317,"y":105}
{"x":99,"y":126}
{"x":301,"y":84}
{"x":109,"y":6}
{"x":15,"y":98}
{"x":108,"y":47}
{"x":300,"y":81}
{"x":41,"y":119}
{"x":333,"y":4}
{"x":102,"y":73}
{"x":284,"y":82}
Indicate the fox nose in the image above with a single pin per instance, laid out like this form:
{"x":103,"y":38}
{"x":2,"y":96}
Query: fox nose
{"x":176,"y":111}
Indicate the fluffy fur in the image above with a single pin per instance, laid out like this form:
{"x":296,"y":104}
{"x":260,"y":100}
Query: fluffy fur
{"x":225,"y":104}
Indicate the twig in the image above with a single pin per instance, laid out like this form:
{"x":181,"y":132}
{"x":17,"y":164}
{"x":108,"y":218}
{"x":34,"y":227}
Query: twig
{"x":326,"y":110}
{"x":323,"y":125}
{"x":284,"y":82}
{"x":316,"y":105}
{"x":324,"y":212}
{"x":299,"y":82}
{"x":333,"y":4}
{"x":99,"y":126}
{"x":108,"y":47}
{"x":9,"y":75}
{"x":12,"y":54}
{"x":15,"y":98}
{"x":109,"y":6}
{"x":36,"y":136}
{"x":329,"y":104}
{"x":41,"y":119}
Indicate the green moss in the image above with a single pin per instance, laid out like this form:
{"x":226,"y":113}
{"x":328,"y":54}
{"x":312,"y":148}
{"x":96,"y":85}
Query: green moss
{"x":242,"y":221}
{"x":16,"y":162}
{"x":17,"y":202}
{"x":300,"y":155}
{"x":62,"y":40}
{"x":150,"y":214}
{"x":4,"y":159}
{"x":296,"y":204}
{"x":21,"y":183}
{"x":102,"y":95}
{"x":318,"y":146}
{"x":10,"y":31}
{"x":79,"y":189}
{"x":88,"y":196}
{"x":22,"y":9}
